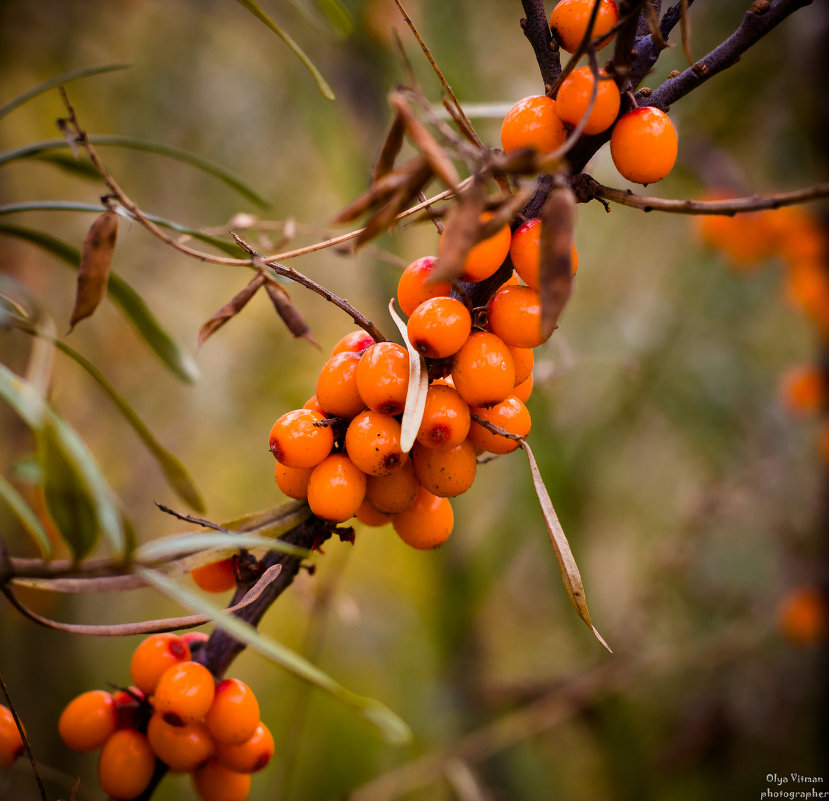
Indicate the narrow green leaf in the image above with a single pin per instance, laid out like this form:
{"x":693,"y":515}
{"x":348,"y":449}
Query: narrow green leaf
{"x":325,"y":15}
{"x":393,"y":728}
{"x":257,"y":11}
{"x":181,"y":544}
{"x":68,"y":163}
{"x":338,"y":15}
{"x":27,"y":518}
{"x":22,"y":398}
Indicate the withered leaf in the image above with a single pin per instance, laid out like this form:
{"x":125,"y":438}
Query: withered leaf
{"x":685,"y":30}
{"x":391,"y":147}
{"x":652,"y":19}
{"x":230,"y":309}
{"x":418,"y":388}
{"x":462,"y":228}
{"x":288,"y":313}
{"x":555,"y":267}
{"x":96,"y":260}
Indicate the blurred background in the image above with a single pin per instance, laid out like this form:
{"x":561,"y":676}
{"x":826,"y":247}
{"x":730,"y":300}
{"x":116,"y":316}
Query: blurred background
{"x":693,"y":498}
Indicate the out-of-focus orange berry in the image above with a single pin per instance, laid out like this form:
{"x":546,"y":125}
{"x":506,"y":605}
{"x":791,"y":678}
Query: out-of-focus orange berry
{"x":523,"y":390}
{"x":803,"y":615}
{"x":803,"y":390}
{"x":369,"y":516}
{"x":234,"y":714}
{"x":252,"y":755}
{"x":126,"y":765}
{"x":215,"y":782}
{"x":523,"y":359}
{"x":293,"y":481}
{"x":218,"y":576}
{"x":11,"y":743}
{"x":88,"y":720}
{"x":484,"y":257}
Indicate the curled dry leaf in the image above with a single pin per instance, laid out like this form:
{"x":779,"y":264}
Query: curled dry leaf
{"x":96,"y":260}
{"x":230,"y":309}
{"x":652,"y":20}
{"x":391,"y":147}
{"x":462,"y":229}
{"x":555,"y":267}
{"x":288,"y":313}
{"x":418,"y":387}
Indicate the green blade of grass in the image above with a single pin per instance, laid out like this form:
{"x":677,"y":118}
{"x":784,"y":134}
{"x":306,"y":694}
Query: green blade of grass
{"x":28,"y":519}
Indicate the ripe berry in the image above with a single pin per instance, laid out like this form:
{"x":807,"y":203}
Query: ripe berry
{"x":574,"y":95}
{"x":184,"y":693}
{"x":372,"y":441}
{"x":251,"y":755}
{"x":314,"y":405}
{"x":525,"y":253}
{"x":438,"y":327}
{"x":483,"y":372}
{"x":336,"y":488}
{"x":445,"y":473}
{"x":427,"y":523}
{"x":153,"y":656}
{"x":337,"y":391}
{"x":803,"y":390}
{"x":570,"y":19}
{"x":298,"y":440}
{"x":803,"y":615}
{"x":126,"y":765}
{"x":414,"y":286}
{"x":484,"y":257}
{"x":523,"y":390}
{"x":353,"y":342}
{"x":181,"y":748}
{"x":218,"y":576}
{"x":234,"y":714}
{"x":644,"y":145}
{"x":514,"y":315}
{"x":11,"y":743}
{"x":215,"y":782}
{"x":88,"y":720}
{"x":293,"y":481}
{"x":369,"y":516}
{"x":510,"y":415}
{"x":533,"y":122}
{"x":394,"y":493}
{"x":523,"y":359}
{"x":195,"y":639}
{"x":445,"y":421}
{"x":383,"y":377}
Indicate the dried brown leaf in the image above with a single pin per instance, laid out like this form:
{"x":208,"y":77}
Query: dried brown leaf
{"x":378,"y":192}
{"x":288,"y":313}
{"x":685,"y":30}
{"x":652,"y":20}
{"x":391,"y":147}
{"x":555,"y":267}
{"x":462,"y":228}
{"x":230,"y":309}
{"x":418,"y":388}
{"x":96,"y":260}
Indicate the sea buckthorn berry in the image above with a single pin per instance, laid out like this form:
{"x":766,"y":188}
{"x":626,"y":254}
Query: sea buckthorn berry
{"x":195,"y":639}
{"x":445,"y":473}
{"x":414,"y":285}
{"x":514,"y":315}
{"x":483,"y":372}
{"x":383,"y":377}
{"x":218,"y":576}
{"x":438,"y":327}
{"x":126,"y":765}
{"x":369,"y":516}
{"x":153,"y":656}
{"x":523,"y":359}
{"x":372,"y":441}
{"x":533,"y":122}
{"x":574,"y":95}
{"x":644,"y":145}
{"x":250,"y":756}
{"x":803,"y":616}
{"x":510,"y":415}
{"x":313,"y":404}
{"x":353,"y":342}
{"x":803,"y":390}
{"x":445,"y":421}
{"x":234,"y":714}
{"x":427,"y":523}
{"x":523,"y":390}
{"x":293,"y":481}
{"x":525,"y":253}
{"x":570,"y":19}
{"x":88,"y":720}
{"x":215,"y":782}
{"x":337,"y":391}
{"x":486,"y":256}
{"x":394,"y":493}
{"x":11,"y":743}
{"x":336,"y":488}
{"x":298,"y":439}
{"x":184,"y":693}
{"x":181,"y":748}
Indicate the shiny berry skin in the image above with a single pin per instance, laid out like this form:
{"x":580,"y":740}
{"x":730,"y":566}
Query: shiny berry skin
{"x":570,"y":19}
{"x":153,"y":656}
{"x":336,"y":488}
{"x":445,"y":473}
{"x":218,"y":576}
{"x":297,"y":438}
{"x":369,"y":516}
{"x":215,"y":782}
{"x":293,"y":481}
{"x":181,"y":748}
{"x":438,"y":327}
{"x":427,"y":523}
{"x":11,"y":743}
{"x":126,"y":765}
{"x":644,"y":145}
{"x":574,"y":95}
{"x":234,"y":714}
{"x":394,"y":493}
{"x":514,"y":315}
{"x":353,"y":342}
{"x":88,"y":720}
{"x":372,"y":441}
{"x":252,"y":755}
{"x":414,"y":286}
{"x":510,"y":415}
{"x":445,"y":421}
{"x":523,"y":359}
{"x":533,"y":122}
{"x":184,"y":693}
{"x":337,"y":392}
{"x":523,"y":390}
{"x":484,"y":257}
{"x":483,"y":372}
{"x":525,"y":253}
{"x":383,"y":377}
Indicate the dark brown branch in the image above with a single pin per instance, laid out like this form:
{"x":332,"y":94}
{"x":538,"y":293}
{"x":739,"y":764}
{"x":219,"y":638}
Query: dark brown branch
{"x":536,"y":28}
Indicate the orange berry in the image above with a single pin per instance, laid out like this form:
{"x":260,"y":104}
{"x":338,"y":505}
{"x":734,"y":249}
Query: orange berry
{"x":484,"y":257}
{"x":184,"y":693}
{"x":414,"y":285}
{"x":514,"y":315}
{"x":293,"y":481}
{"x":153,"y":656}
{"x":483,"y":372}
{"x":383,"y":377}
{"x":181,"y":748}
{"x":803,"y":615}
{"x":445,"y":473}
{"x":337,"y":391}
{"x":250,"y":756}
{"x":313,"y":404}
{"x":300,"y":438}
{"x":353,"y":342}
{"x":438,"y":327}
{"x":88,"y":720}
{"x":523,"y":390}
{"x":126,"y":765}
{"x":574,"y":95}
{"x":336,"y":488}
{"x":570,"y":19}
{"x":369,"y":516}
{"x":510,"y":415}
{"x":394,"y":493}
{"x":372,"y":441}
{"x":523,"y":359}
{"x":533,"y":122}
{"x":427,"y":523}
{"x":218,"y":576}
{"x":11,"y":743}
{"x":234,"y":714}
{"x":644,"y":145}
{"x":525,"y":253}
{"x":445,"y":421}
{"x":803,"y":390}
{"x":215,"y":782}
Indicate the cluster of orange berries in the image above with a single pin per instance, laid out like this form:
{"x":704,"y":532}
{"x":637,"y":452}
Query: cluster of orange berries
{"x":176,"y":713}
{"x":643,"y":143}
